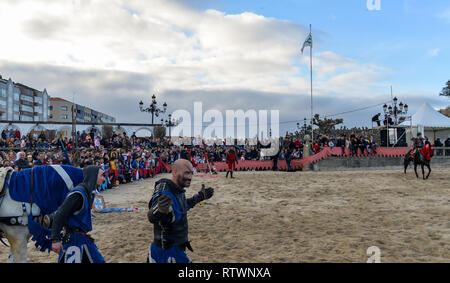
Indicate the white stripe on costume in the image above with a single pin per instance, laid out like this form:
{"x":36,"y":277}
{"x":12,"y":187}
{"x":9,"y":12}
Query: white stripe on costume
{"x":64,"y":176}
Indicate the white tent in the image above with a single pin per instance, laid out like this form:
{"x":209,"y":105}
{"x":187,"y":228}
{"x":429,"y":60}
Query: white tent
{"x":427,"y":117}
{"x":429,"y":122}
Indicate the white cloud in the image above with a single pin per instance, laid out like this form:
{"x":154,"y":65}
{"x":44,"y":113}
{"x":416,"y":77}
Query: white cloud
{"x":176,"y":48}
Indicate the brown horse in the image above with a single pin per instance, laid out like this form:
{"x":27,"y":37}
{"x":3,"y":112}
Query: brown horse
{"x":418,"y":159}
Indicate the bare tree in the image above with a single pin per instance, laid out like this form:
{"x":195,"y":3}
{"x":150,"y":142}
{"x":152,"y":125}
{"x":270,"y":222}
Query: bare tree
{"x":326,"y":126}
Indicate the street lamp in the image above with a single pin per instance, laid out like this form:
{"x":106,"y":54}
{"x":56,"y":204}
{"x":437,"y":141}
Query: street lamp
{"x":302,"y":128}
{"x":393,"y":110}
{"x":153,"y":108}
{"x":170,"y":123}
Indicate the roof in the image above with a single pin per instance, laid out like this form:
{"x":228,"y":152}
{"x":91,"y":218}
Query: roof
{"x":58,"y":99}
{"x":426,"y":116}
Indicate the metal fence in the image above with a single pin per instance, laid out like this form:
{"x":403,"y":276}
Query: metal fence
{"x":442,"y":152}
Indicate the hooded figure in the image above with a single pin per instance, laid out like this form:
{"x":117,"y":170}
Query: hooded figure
{"x":74,"y":215}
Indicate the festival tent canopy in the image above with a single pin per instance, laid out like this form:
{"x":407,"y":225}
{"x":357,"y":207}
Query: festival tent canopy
{"x":427,"y":117}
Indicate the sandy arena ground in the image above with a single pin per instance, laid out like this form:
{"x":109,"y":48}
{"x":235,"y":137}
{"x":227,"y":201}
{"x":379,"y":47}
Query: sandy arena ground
{"x":290,"y":217}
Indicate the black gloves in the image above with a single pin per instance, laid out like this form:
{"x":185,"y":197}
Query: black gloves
{"x":164,"y":204}
{"x":205,"y":193}
{"x":159,"y":209}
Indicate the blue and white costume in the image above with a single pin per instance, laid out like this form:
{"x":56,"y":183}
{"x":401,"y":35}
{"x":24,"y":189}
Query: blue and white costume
{"x":74,"y":216}
{"x":171,"y":230}
{"x":79,"y":247}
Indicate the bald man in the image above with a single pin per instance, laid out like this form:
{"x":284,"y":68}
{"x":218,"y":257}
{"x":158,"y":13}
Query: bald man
{"x":168,"y":213}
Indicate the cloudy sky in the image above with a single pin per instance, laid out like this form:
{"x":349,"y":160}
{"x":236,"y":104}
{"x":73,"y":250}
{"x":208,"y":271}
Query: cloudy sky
{"x":229,"y":54}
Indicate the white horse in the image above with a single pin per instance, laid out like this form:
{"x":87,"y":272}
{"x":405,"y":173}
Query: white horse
{"x":50,"y":186}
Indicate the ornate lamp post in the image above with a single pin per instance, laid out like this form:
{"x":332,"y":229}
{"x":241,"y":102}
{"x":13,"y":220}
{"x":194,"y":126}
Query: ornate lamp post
{"x":169,"y":123}
{"x":393,"y":110}
{"x":153,"y":108}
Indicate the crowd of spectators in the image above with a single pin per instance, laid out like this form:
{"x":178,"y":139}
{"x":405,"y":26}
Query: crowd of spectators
{"x":127,"y":154}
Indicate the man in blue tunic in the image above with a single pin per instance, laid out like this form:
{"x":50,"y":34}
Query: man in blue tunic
{"x":74,"y":215}
{"x":168,"y":213}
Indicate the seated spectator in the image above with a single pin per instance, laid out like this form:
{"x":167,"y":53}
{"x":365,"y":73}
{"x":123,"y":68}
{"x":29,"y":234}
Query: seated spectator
{"x":22,"y":163}
{"x":376,"y":119}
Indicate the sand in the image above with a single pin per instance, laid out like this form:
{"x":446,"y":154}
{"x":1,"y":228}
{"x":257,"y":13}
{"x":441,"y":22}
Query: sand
{"x":290,"y":217}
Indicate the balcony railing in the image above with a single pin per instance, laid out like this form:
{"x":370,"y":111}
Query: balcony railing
{"x":25,"y":102}
{"x":26,"y":113}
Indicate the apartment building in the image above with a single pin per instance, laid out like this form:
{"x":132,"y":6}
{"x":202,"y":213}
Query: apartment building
{"x":61,"y":111}
{"x":19,"y":102}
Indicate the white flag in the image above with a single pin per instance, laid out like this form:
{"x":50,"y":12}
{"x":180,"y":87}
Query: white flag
{"x":308,"y":42}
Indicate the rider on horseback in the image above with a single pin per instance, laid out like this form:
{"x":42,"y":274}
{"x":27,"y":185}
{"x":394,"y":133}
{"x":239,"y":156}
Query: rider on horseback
{"x":418,"y":144}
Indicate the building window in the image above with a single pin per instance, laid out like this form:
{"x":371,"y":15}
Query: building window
{"x":23,"y":118}
{"x":38,"y":99}
{"x":27,"y":108}
{"x":64,"y":108}
{"x":3,"y":92}
{"x":63,"y":116}
{"x":2,"y":104}
{"x":26,"y":98}
{"x":16,"y":96}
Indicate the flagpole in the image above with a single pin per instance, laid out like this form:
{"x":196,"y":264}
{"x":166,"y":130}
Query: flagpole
{"x":310,"y":61}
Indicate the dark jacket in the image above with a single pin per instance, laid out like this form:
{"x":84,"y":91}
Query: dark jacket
{"x":22,"y":164}
{"x":171,"y":230}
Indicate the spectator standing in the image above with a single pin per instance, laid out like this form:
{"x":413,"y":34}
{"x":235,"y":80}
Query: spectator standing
{"x":438,"y":143}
